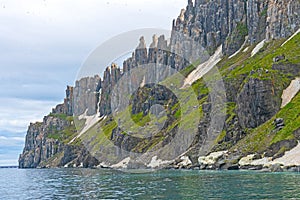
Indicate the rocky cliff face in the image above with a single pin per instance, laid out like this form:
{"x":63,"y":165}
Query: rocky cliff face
{"x":212,"y":23}
{"x":111,"y":76}
{"x":42,"y":137}
{"x":86,"y":95}
{"x":38,"y":147}
{"x":257,"y":103}
{"x":46,"y":142}
{"x":203,"y":25}
{"x":283,"y":18}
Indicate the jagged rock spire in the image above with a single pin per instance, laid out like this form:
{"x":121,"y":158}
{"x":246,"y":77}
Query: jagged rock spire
{"x":142,"y":44}
{"x":154,"y":41}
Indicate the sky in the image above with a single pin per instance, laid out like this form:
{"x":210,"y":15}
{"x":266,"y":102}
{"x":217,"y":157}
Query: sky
{"x":44,"y":43}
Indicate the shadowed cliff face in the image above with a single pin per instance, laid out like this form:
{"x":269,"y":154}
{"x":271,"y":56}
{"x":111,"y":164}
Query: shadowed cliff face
{"x":257,"y":103}
{"x":209,"y":24}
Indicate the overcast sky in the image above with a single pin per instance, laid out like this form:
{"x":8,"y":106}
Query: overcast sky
{"x":43,"y":43}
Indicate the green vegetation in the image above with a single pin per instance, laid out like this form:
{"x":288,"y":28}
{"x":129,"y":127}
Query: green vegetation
{"x":242,"y":29}
{"x":65,"y":135}
{"x":186,"y":71}
{"x":59,"y":115}
{"x":264,"y":12}
{"x":239,"y":69}
{"x":259,"y":139}
{"x":291,"y":115}
{"x":243,"y":64}
{"x":220,"y":137}
{"x":140,"y":119}
{"x":235,"y":71}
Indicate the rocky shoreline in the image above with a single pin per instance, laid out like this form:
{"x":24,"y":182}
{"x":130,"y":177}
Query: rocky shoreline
{"x":225,"y":161}
{"x":217,"y":161}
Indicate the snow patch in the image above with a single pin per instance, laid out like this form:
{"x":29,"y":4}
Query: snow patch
{"x":246,"y":49}
{"x":203,"y":68}
{"x":290,"y":158}
{"x":143,"y":82}
{"x":290,"y":92}
{"x":263,"y":161}
{"x":291,"y":37}
{"x":246,"y":39}
{"x":257,"y":48}
{"x":89,"y":122}
{"x":122,"y":164}
{"x":154,"y":163}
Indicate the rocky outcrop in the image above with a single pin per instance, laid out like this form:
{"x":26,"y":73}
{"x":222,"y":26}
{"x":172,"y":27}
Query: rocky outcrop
{"x":41,"y":143}
{"x":110,"y":78}
{"x":283,"y":18}
{"x":257,"y":103}
{"x":67,"y":106}
{"x":86,"y":95}
{"x":46,"y":142}
{"x":212,"y":23}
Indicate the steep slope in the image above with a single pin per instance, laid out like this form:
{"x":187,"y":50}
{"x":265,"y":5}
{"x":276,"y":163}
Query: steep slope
{"x":254,"y":73}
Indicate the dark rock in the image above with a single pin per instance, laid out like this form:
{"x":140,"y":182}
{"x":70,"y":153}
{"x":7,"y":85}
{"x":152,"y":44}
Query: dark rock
{"x":68,"y":105}
{"x":276,"y":168}
{"x":287,"y":68}
{"x":251,"y":167}
{"x":111,"y":77}
{"x":293,"y":169}
{"x":279,"y":123}
{"x":257,"y":103}
{"x":282,"y":145}
{"x":297,"y":134}
{"x":233,"y":167}
{"x":278,"y":58}
{"x":206,"y":107}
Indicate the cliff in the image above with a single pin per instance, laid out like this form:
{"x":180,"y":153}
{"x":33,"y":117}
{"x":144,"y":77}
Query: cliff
{"x":256,"y":64}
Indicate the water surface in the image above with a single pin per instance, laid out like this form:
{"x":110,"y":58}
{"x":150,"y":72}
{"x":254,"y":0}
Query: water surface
{"x":108,"y":184}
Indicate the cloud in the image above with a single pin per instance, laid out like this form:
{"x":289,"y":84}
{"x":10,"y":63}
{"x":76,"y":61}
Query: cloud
{"x":10,"y":148}
{"x":11,"y":141}
{"x":16,"y":114}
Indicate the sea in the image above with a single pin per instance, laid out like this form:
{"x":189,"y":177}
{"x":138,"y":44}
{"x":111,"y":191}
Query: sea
{"x":141,"y":184}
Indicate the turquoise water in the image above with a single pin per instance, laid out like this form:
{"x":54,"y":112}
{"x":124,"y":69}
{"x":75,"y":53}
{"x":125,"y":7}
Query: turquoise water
{"x":107,"y":184}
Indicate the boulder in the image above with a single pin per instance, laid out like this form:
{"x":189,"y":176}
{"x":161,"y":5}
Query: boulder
{"x":212,"y":161}
{"x":278,"y":58}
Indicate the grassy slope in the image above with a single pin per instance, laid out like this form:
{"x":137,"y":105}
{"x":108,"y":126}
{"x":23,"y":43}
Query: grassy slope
{"x":236,"y":71}
{"x":264,"y":136}
{"x":260,"y":138}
